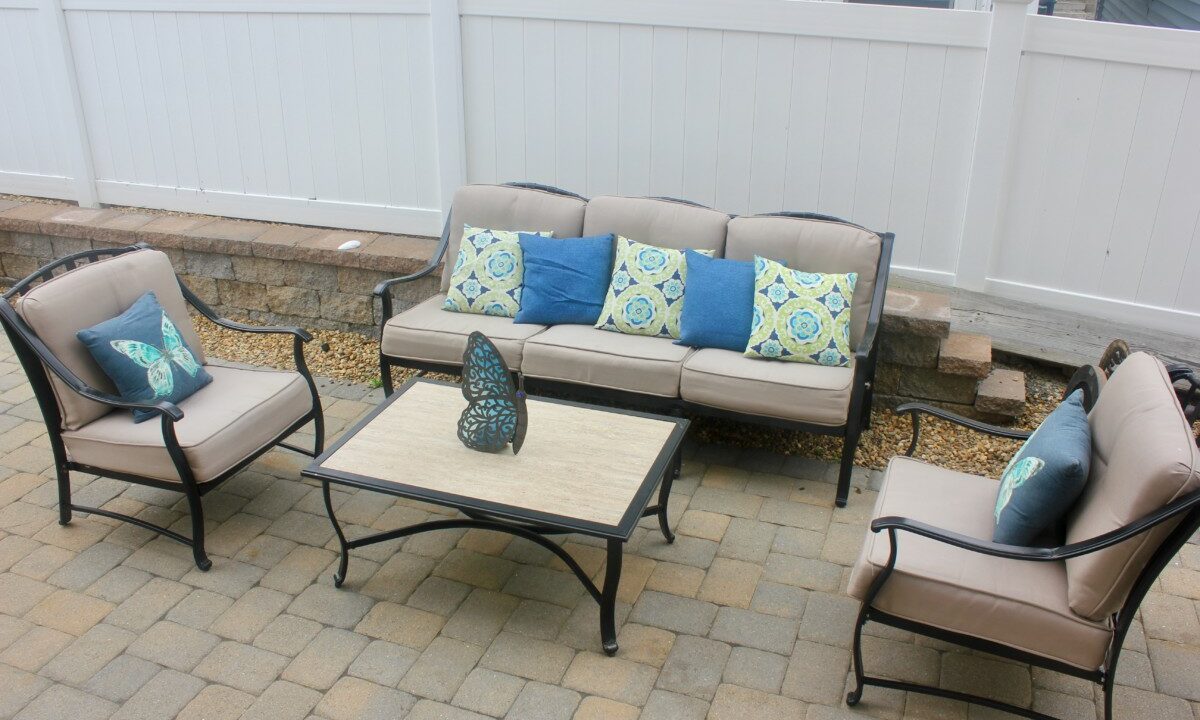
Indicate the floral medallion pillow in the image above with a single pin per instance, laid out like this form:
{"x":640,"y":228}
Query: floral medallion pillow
{"x":488,"y":273}
{"x":800,"y":316}
{"x":645,"y":296}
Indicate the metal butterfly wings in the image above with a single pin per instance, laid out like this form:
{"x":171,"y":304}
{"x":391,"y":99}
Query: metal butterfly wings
{"x":157,"y":361}
{"x":495,"y":414}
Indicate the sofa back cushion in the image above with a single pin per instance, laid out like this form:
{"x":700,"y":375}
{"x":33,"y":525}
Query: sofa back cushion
{"x":813,"y":246}
{"x":501,"y":207}
{"x":1143,"y":457}
{"x":88,"y":295}
{"x":664,"y":223}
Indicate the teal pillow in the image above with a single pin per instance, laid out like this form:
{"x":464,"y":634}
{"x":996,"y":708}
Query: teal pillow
{"x":1044,"y":479}
{"x":488,"y":273}
{"x":801,"y":316}
{"x":645,"y":295}
{"x":144,"y":355}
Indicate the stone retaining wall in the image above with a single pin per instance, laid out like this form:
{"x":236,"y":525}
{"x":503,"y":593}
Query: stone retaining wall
{"x":267,"y":273}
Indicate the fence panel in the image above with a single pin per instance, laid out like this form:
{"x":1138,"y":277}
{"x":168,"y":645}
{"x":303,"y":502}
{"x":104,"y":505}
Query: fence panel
{"x":835,"y":109}
{"x":32,"y":156}
{"x":309,"y":116}
{"x":1104,"y":183}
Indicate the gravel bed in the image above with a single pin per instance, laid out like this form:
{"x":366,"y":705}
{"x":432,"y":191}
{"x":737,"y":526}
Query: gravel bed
{"x":354,"y":357}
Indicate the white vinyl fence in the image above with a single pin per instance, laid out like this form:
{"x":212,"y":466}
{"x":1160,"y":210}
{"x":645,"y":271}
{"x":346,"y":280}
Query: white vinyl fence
{"x":1030,"y":157}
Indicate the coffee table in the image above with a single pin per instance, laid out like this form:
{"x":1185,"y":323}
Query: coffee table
{"x":583,"y":469}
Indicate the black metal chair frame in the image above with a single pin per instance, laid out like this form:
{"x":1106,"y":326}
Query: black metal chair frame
{"x":865,"y":356}
{"x":1185,"y":510}
{"x":38,"y":362}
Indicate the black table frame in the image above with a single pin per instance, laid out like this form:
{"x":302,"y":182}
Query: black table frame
{"x":531,"y":525}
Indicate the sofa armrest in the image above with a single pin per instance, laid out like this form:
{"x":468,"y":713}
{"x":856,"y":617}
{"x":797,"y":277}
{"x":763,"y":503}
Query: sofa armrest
{"x":383,"y":290}
{"x":866,"y":346}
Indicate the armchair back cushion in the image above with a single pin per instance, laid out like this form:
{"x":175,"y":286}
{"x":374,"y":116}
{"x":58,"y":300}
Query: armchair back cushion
{"x":90,"y":294}
{"x":499,"y":207}
{"x":1143,"y":457}
{"x":818,"y":246}
{"x":663,"y":223}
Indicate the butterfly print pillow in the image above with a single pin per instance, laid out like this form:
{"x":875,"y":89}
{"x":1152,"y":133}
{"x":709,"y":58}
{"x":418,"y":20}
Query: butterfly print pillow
{"x":144,"y":355}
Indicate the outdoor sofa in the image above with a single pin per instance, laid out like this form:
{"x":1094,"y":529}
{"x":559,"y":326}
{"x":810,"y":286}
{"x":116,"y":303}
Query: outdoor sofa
{"x":652,"y":372}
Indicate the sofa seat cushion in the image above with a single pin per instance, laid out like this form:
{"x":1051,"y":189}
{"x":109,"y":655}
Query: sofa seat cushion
{"x":427,"y":333}
{"x":1017,"y":603}
{"x":225,"y":422}
{"x":585,"y":355}
{"x":788,"y":391}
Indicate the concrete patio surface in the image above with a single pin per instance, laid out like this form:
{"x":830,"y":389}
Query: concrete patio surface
{"x":745,"y":616}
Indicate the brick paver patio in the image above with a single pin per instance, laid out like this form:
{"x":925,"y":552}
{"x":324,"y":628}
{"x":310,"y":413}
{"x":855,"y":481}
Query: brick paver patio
{"x":743,"y":617}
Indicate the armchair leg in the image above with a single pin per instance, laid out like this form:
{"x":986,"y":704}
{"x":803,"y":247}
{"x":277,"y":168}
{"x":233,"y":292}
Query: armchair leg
{"x":196,"y":509}
{"x":64,"y":494}
{"x":849,"y":446}
{"x":855,"y":695}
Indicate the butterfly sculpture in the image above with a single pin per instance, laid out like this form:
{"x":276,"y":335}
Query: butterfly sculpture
{"x":157,"y":361}
{"x":495,"y":414}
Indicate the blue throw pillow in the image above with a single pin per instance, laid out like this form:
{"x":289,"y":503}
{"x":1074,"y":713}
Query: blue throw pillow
{"x":1045,"y":478}
{"x":565,"y":279}
{"x":144,"y":355}
{"x":719,"y":306}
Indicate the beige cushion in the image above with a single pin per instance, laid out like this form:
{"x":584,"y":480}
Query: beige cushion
{"x":225,"y":422}
{"x":789,"y":391}
{"x":665,"y":223}
{"x":1143,"y":457}
{"x":582,"y":354}
{"x":90,"y":294}
{"x":1017,"y":603}
{"x":428,"y":333}
{"x":499,"y":207}
{"x":813,"y":246}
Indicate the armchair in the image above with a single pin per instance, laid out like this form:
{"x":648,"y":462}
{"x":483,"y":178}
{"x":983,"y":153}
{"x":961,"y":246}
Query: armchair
{"x":1065,"y":608}
{"x":195,"y":445}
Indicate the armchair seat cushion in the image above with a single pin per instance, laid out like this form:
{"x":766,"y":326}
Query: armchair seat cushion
{"x":788,"y":391}
{"x":1017,"y":603}
{"x":587,"y":356}
{"x":427,"y":333}
{"x":225,"y":422}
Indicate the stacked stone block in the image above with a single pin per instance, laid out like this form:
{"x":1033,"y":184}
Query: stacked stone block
{"x":922,"y":358}
{"x":268,"y":273}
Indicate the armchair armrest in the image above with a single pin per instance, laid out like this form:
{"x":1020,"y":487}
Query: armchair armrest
{"x":1179,"y":506}
{"x":168,"y":410}
{"x":916,"y":409}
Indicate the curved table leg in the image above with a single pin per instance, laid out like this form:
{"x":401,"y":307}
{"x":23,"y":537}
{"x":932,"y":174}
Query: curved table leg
{"x":340,"y":576}
{"x":608,"y":598}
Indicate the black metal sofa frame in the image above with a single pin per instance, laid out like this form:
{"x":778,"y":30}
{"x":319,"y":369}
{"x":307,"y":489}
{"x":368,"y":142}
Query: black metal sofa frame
{"x":37,"y":361}
{"x":865,"y":356}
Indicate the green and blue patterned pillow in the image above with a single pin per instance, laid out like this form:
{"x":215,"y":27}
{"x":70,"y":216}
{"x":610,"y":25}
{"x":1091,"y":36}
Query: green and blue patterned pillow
{"x":645,"y":296}
{"x":801,"y":316}
{"x":488,"y":273}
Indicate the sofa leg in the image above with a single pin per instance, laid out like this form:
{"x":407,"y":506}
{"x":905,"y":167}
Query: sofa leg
{"x":385,"y":376}
{"x":849,"y":445}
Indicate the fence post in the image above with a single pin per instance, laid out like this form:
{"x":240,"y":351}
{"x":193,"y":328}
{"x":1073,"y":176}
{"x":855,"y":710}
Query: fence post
{"x":989,"y":164}
{"x":448,"y":99}
{"x":62,"y":67}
